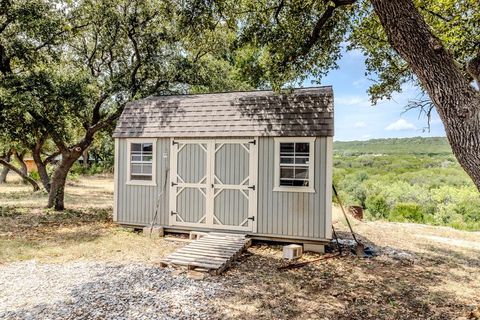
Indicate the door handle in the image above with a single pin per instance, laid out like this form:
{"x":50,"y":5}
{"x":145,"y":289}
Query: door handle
{"x":251,"y":218}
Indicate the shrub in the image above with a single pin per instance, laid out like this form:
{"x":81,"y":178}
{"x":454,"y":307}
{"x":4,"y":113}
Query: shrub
{"x":34,"y":175}
{"x":406,"y":212}
{"x":377,"y":207}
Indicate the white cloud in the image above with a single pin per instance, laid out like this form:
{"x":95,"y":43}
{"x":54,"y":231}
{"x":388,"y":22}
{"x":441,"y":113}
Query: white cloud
{"x":359,"y":124}
{"x":401,"y":125}
{"x":366,"y":136}
{"x":358,"y":101}
{"x":360,"y":83}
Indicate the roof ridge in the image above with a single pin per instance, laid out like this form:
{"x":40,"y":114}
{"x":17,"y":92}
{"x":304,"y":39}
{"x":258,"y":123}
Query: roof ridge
{"x":326,"y":87}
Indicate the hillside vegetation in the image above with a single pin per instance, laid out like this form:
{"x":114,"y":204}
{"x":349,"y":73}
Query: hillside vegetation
{"x":407,"y":180}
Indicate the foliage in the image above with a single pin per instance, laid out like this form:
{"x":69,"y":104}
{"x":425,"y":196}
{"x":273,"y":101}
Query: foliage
{"x":67,"y":69}
{"x":407,"y":212}
{"x":454,"y":22}
{"x":421,"y":183}
{"x":416,"y":145}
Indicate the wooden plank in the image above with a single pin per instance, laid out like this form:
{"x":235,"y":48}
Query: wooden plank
{"x":200,"y":254}
{"x":198,"y":258}
{"x":196,"y":264}
{"x":215,"y":249}
{"x":206,"y":252}
{"x":213,"y":252}
{"x":217,"y":245}
{"x":226,"y":235}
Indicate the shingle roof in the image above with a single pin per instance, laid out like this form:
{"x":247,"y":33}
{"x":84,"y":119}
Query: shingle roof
{"x":304,"y":112}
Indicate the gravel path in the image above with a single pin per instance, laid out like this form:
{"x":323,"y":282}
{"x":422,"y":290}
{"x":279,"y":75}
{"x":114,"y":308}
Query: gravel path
{"x":89,"y":290}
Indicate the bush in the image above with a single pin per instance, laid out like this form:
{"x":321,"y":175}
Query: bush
{"x":377,"y":207}
{"x":406,"y":212}
{"x":34,"y":175}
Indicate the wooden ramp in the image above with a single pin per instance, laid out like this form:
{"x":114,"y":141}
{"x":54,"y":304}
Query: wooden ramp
{"x":213,"y":252}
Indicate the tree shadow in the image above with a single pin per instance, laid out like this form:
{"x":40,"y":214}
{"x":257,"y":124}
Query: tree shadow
{"x":343,"y":288}
{"x":301,"y":112}
{"x":142,"y":115}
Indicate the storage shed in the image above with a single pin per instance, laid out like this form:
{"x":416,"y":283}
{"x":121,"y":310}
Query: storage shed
{"x":254,"y":162}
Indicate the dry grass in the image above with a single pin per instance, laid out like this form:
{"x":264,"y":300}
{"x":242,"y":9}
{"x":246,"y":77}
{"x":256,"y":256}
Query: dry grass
{"x":83,"y":231}
{"x":442,"y":283}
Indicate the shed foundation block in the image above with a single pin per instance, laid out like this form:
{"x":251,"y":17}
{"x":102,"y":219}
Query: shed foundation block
{"x":156,"y":231}
{"x":292,"y":251}
{"x":310,"y":247}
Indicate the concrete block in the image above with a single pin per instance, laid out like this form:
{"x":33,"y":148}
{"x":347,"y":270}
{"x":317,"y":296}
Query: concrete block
{"x":292,"y":251}
{"x":156,"y":231}
{"x":195,"y":235}
{"x":311,"y":247}
{"x":196,"y":275}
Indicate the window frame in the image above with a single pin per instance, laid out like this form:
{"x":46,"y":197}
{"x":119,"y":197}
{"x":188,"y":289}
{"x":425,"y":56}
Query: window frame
{"x":311,"y":167}
{"x":152,"y":182}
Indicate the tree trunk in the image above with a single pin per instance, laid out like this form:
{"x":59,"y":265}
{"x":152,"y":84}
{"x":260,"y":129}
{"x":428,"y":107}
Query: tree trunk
{"x":5,"y":170}
{"x":3,"y":175}
{"x":42,"y":168}
{"x":56,"y":195}
{"x":25,"y":177}
{"x":23,"y":166}
{"x":456,"y":101}
{"x":85,"y":158}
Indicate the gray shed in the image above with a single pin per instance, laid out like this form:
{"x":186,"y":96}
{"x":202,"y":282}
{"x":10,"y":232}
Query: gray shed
{"x":251,"y":162}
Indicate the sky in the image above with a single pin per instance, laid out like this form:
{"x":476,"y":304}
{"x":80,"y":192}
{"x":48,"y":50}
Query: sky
{"x":357,"y":119}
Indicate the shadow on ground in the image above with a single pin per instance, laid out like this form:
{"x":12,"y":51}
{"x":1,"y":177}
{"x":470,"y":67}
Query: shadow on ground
{"x":345,"y":288}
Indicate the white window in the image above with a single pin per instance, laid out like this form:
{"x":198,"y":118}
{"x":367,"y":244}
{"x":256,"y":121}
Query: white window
{"x":294,"y":164}
{"x":141,"y":162}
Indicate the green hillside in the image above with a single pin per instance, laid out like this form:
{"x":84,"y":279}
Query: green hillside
{"x":417,"y":145}
{"x":412,"y":179}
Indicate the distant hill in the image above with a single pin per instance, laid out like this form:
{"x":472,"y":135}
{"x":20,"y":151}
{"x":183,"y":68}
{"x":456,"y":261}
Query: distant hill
{"x":417,"y":145}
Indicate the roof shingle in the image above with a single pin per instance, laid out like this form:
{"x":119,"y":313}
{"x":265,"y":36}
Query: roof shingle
{"x":304,"y":112}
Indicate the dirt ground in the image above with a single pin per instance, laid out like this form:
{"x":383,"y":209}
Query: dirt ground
{"x":421,"y":272}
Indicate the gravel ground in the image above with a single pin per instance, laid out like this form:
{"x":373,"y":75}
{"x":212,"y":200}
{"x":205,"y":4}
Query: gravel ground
{"x":90,"y":290}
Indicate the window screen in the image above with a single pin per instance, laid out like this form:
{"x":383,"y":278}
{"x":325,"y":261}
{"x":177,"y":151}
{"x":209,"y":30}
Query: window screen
{"x":141,"y":161}
{"x":294,"y":163}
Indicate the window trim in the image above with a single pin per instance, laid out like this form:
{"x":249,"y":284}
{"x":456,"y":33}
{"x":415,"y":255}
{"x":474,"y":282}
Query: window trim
{"x":152,"y":182}
{"x":311,"y":167}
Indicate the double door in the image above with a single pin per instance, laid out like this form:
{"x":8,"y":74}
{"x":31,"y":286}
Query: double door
{"x":213,"y":183}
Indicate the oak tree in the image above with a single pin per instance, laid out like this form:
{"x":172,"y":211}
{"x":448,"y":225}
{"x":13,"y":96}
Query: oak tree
{"x":68,"y":69}
{"x":433,"y":44}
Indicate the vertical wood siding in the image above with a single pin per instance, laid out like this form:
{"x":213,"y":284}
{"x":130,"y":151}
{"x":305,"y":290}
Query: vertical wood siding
{"x":231,"y":167}
{"x":136,"y":204}
{"x":192,"y":168}
{"x":297,"y":214}
{"x":292,"y":214}
{"x":231,"y":163}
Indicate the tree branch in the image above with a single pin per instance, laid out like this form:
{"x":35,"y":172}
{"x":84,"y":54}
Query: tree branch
{"x":317,"y":29}
{"x":435,"y":14}
{"x":25,"y":177}
{"x":96,"y":109}
{"x":473,"y":67}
